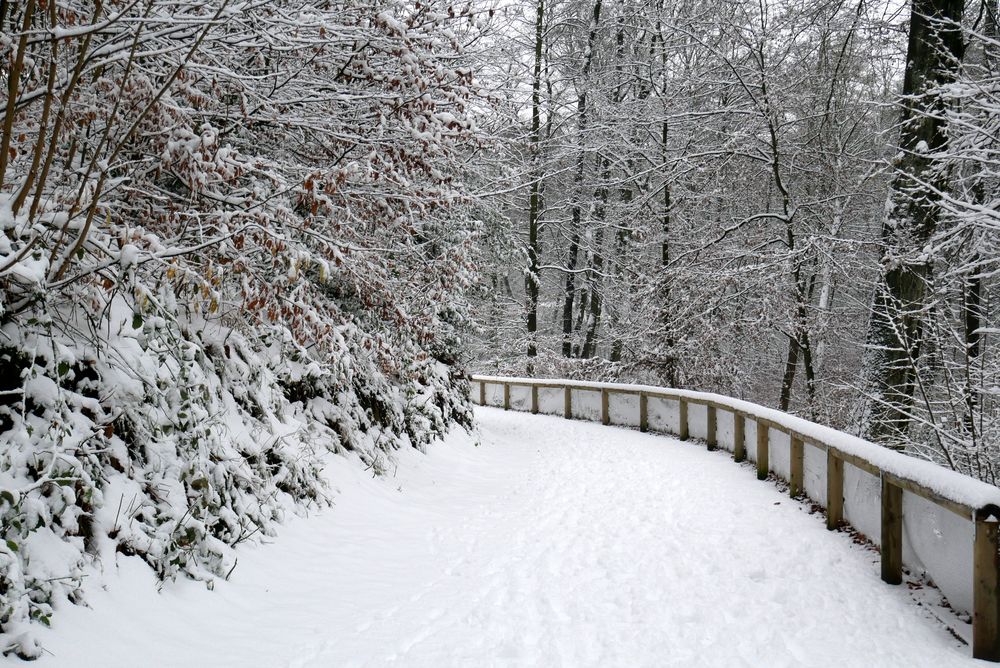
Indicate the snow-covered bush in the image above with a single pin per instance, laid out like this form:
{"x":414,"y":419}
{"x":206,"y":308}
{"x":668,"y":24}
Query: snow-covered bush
{"x":234,"y":235}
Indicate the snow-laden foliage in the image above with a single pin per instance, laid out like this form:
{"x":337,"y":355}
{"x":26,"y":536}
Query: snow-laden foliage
{"x":957,"y":374}
{"x":703,"y":204}
{"x":711,"y":181}
{"x":235,"y":234}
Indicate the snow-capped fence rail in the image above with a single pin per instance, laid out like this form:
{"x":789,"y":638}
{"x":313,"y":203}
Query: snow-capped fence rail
{"x":892,"y":498}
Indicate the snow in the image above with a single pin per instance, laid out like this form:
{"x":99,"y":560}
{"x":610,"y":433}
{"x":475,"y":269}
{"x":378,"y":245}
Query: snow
{"x":948,"y":484}
{"x":936,"y":542}
{"x":552,"y":543}
{"x":129,"y":256}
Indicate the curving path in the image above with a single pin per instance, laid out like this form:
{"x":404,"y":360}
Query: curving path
{"x":554,"y":543}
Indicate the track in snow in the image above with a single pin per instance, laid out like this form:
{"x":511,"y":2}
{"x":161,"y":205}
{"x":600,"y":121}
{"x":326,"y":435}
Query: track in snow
{"x":555,"y":543}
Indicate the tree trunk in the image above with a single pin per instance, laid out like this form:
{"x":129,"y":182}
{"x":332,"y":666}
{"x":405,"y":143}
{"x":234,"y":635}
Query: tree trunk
{"x":595,"y":278}
{"x":531,"y":279}
{"x":668,"y":359}
{"x":568,"y":294}
{"x":788,"y":377}
{"x":895,"y":325}
{"x":577,"y":216}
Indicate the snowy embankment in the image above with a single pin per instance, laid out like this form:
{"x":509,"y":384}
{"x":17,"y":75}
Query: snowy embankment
{"x":553,"y":543}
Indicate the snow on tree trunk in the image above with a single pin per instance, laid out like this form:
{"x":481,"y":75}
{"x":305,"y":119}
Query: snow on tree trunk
{"x":895,"y":330}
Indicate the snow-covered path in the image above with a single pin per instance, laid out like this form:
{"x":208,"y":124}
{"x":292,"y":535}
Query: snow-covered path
{"x":554,"y":543}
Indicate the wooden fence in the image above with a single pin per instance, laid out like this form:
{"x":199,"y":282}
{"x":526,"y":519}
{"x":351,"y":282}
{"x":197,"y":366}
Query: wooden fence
{"x":985,"y":546}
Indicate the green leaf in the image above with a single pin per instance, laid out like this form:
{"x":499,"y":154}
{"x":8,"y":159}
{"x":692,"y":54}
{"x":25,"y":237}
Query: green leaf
{"x":137,"y":321}
{"x":12,"y":545}
{"x":63,"y":368}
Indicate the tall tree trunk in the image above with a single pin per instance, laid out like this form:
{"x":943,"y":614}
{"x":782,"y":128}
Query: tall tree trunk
{"x":895,"y":326}
{"x":581,"y":159}
{"x":595,"y":278}
{"x":798,"y":341}
{"x":531,"y":279}
{"x":668,"y":358}
{"x":973,"y":309}
{"x":625,"y":194}
{"x":669,"y":363}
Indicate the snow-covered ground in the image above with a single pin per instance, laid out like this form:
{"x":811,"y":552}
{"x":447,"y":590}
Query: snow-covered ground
{"x":553,"y":543}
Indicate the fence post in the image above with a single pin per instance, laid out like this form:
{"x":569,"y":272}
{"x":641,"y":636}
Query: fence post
{"x":763,"y":436}
{"x":643,"y":412}
{"x":506,"y":396}
{"x":711,"y":428}
{"x":605,"y":412}
{"x":834,"y":490}
{"x":986,"y":588}
{"x":568,"y":404}
{"x":482,"y":393}
{"x":682,"y":428}
{"x":892,"y":532}
{"x":739,"y":437}
{"x":534,"y":398}
{"x":796,"y":484}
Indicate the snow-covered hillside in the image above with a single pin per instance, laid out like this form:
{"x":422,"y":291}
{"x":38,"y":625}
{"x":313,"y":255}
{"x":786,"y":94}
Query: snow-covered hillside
{"x":218,"y":258}
{"x":552,"y":543}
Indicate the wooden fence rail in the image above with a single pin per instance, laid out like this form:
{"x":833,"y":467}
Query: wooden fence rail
{"x":985,"y":516}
